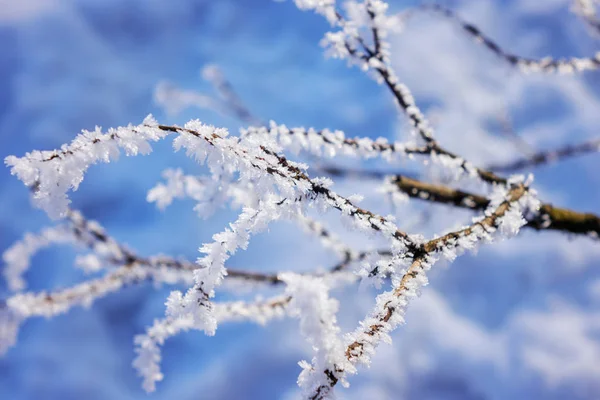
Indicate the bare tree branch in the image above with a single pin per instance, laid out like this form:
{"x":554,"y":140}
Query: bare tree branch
{"x":546,"y":64}
{"x":549,"y":217}
{"x":389,"y":311}
{"x":549,"y":156}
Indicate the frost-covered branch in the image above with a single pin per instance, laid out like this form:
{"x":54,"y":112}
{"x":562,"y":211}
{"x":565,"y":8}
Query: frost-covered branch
{"x":326,"y":143}
{"x":105,"y":252}
{"x":22,"y":306}
{"x":311,"y":303}
{"x":528,"y":65}
{"x":505,"y":216}
{"x":261,"y":311}
{"x":210,"y":195}
{"x":77,"y":230}
{"x":548,"y":217}
{"x":17,"y":258}
{"x":370,"y":60}
{"x":148,"y":345}
{"x":586,"y":10}
{"x":250,"y":174}
{"x":55,"y":173}
{"x":255,"y":162}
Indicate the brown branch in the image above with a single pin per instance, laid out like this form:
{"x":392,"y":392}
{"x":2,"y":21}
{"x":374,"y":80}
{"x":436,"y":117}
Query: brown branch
{"x":548,"y":218}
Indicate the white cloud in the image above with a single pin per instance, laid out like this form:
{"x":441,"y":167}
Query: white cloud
{"x":559,"y":344}
{"x":13,"y":11}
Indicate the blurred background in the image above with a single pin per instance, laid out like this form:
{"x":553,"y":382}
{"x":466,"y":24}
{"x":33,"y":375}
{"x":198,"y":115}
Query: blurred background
{"x":520,"y":319}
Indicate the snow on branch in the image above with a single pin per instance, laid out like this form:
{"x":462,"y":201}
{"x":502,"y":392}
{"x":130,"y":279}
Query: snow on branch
{"x":317,"y":312}
{"x":251,"y":174}
{"x":196,"y":301}
{"x":17,"y":258}
{"x":76,"y":230}
{"x":325,"y":8}
{"x":210,"y":194}
{"x":527,"y":65}
{"x":331,"y":143}
{"x":54,"y":173}
{"x":586,"y":9}
{"x":503,"y":218}
{"x":22,"y":306}
{"x":547,"y":217}
{"x":370,"y":60}
{"x":147,"y":361}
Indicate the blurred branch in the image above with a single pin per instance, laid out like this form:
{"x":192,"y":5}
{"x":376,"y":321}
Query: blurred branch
{"x":228,"y":103}
{"x":232,"y":101}
{"x":586,"y":10}
{"x":549,"y":156}
{"x":355,"y":173}
{"x":546,"y":64}
{"x":85,"y":229}
{"x":507,"y":130}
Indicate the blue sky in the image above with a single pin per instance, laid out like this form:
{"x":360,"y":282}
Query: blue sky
{"x":489,"y":326}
